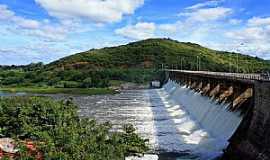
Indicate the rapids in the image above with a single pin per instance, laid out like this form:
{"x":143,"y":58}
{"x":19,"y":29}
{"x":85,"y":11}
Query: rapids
{"x":174,"y":118}
{"x":179,"y":122}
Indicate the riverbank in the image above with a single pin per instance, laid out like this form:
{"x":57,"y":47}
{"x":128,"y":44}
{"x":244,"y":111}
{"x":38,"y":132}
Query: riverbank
{"x":51,"y":90}
{"x":52,"y":129}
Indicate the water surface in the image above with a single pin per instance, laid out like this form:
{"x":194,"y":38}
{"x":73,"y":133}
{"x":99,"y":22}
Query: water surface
{"x":179,"y":123}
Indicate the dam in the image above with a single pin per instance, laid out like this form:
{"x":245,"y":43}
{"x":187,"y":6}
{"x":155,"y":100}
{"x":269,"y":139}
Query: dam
{"x":194,"y":115}
{"x":174,"y":118}
{"x":245,"y":93}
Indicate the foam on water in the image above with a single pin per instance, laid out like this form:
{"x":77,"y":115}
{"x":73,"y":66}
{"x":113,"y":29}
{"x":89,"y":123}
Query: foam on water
{"x":174,"y":119}
{"x":203,"y":125}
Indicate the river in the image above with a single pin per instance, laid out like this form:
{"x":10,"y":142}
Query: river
{"x":179,"y":123}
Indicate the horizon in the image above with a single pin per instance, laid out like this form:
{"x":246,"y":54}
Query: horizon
{"x":45,"y":30}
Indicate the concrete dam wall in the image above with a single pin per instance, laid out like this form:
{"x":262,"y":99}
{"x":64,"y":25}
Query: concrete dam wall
{"x":251,"y":141}
{"x":177,"y":120}
{"x":246,"y":110}
{"x":214,"y":119}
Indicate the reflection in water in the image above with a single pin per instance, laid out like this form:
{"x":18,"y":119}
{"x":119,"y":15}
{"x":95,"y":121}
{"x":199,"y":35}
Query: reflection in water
{"x":7,"y":94}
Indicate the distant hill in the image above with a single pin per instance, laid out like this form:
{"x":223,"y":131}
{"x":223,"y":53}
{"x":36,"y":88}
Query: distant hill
{"x":152,"y":53}
{"x":135,"y":62}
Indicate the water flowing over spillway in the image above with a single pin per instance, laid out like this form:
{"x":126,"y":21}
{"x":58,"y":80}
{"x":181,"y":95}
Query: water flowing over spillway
{"x":209,"y":125}
{"x":174,"y":118}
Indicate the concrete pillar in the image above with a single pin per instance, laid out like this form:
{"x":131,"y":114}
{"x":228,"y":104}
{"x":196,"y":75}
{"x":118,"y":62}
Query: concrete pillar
{"x":206,"y":89}
{"x":215,"y":91}
{"x":242,"y":98}
{"x":193,"y":86}
{"x":199,"y":87}
{"x":226,"y":94}
{"x":251,"y":141}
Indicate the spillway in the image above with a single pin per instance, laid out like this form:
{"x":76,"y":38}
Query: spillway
{"x":209,"y":125}
{"x":174,"y":118}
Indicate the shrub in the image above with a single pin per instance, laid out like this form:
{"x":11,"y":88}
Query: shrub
{"x":69,"y":84}
{"x":12,"y":80}
{"x":87,"y":83}
{"x":59,"y":133}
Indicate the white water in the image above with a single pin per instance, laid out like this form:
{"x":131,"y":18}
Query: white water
{"x":203,"y":125}
{"x":185,"y":121}
{"x":174,"y":119}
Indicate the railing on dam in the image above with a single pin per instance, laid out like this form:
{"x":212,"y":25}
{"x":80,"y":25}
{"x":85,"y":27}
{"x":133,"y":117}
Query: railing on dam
{"x":259,"y":77}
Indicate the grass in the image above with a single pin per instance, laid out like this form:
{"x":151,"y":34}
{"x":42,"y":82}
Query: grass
{"x":116,"y":83}
{"x":50,"y":90}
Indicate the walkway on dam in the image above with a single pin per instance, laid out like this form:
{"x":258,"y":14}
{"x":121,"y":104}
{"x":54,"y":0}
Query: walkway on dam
{"x":252,"y":76}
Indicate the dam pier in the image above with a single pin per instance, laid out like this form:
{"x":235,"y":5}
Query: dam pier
{"x":194,"y":115}
{"x":247,"y":94}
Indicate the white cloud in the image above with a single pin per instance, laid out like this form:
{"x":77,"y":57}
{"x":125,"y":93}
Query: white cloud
{"x":141,"y":30}
{"x":235,"y":21}
{"x":26,"y":23}
{"x":199,"y":19}
{"x":5,"y":13}
{"x":250,"y":34}
{"x":207,"y":14}
{"x":255,"y":30}
{"x":212,"y":3}
{"x":39,"y":29}
{"x":258,"y":21}
{"x":30,"y":40}
{"x":201,"y":23}
{"x":32,"y":52}
{"x":213,"y":27}
{"x":169,"y":27}
{"x":49,"y":33}
{"x":255,"y":34}
{"x":100,"y":11}
{"x":9,"y":16}
{"x":204,"y":23}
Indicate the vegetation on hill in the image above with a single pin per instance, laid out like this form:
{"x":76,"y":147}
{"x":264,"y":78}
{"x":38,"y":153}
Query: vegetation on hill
{"x":135,"y":62}
{"x":152,"y":53}
{"x":59,"y":133}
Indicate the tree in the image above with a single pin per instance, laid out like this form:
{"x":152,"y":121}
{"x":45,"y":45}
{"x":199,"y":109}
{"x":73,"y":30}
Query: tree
{"x":87,"y":83}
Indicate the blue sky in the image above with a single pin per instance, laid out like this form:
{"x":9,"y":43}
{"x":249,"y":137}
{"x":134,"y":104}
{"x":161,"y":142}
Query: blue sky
{"x":45,"y":30}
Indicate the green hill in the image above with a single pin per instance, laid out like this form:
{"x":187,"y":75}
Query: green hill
{"x":152,"y":53}
{"x":135,"y":62}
